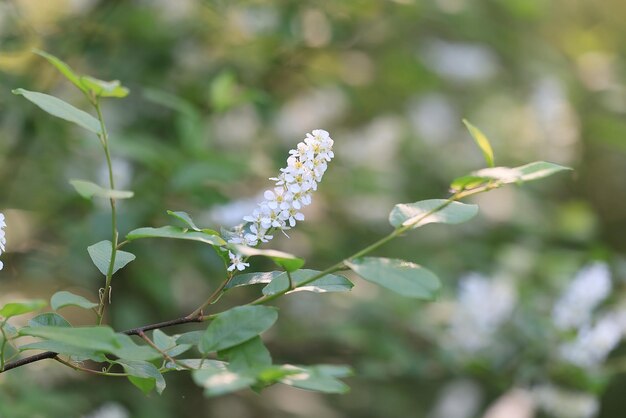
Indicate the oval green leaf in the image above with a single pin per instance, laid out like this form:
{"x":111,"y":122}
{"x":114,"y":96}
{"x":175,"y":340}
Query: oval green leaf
{"x":219,"y":381}
{"x":431,"y":211}
{"x":98,"y":338}
{"x":175,"y":233}
{"x":317,"y":378}
{"x":88,"y":189}
{"x":22,"y":307}
{"x":63,"y":68}
{"x":48,"y":319}
{"x":327,"y":283}
{"x":482,"y":142}
{"x":528,"y":172}
{"x":64,"y":298}
{"x":251,"y":355}
{"x":403,"y":277}
{"x":61,"y":109}
{"x":100,"y":254}
{"x":248,"y":279}
{"x":235,"y":326}
{"x":185,"y":218}
{"x":148,"y":376}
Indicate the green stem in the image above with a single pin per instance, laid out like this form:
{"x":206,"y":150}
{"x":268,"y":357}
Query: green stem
{"x":394,"y":234}
{"x":83,"y":369}
{"x":104,"y":139}
{"x":166,"y":356}
{"x":4,"y":343}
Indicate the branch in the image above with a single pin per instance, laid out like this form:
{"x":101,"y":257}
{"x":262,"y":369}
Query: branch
{"x":134,"y":331}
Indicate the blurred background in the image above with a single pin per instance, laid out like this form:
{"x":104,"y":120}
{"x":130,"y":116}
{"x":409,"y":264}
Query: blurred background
{"x":531,"y":317}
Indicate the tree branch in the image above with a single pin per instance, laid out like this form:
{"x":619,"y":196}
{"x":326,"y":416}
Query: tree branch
{"x":133,"y":331}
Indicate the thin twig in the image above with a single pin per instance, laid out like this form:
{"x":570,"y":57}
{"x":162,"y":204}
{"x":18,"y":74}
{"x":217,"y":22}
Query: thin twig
{"x":163,"y":353}
{"x":134,"y":331}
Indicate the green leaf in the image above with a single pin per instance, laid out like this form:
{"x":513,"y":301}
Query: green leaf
{"x":248,"y":279}
{"x":19,"y":308}
{"x":481,"y":141}
{"x":185,"y":218}
{"x":251,"y":355}
{"x":285,"y":260}
{"x":219,"y":381}
{"x":100,"y":254}
{"x":61,"y":109}
{"x":539,"y":169}
{"x":129,"y":350}
{"x":195,"y":364}
{"x":142,"y":371}
{"x":271,"y":375}
{"x":467,"y":182}
{"x":403,"y":277}
{"x":63,"y":68}
{"x":145,"y":385}
{"x":168,"y":344}
{"x":104,"y":88}
{"x":235,"y":326}
{"x":191,"y":337}
{"x":317,"y":378}
{"x":77,"y":353}
{"x":414,"y":214}
{"x":327,"y":283}
{"x":88,"y":190}
{"x":9,"y":330}
{"x":175,"y":233}
{"x":533,"y":171}
{"x":63,"y":298}
{"x":48,"y":319}
{"x":98,"y":338}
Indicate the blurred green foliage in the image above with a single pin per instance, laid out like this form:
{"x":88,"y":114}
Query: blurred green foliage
{"x":221,"y":89}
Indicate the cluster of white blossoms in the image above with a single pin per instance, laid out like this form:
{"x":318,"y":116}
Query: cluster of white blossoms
{"x":3,"y":238}
{"x":475,"y":322}
{"x":594,"y":343}
{"x":560,"y":402}
{"x":589,"y":288}
{"x":574,"y":310}
{"x":282,"y":205}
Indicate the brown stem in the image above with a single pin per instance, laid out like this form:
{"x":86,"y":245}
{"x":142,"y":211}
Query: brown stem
{"x":134,"y":331}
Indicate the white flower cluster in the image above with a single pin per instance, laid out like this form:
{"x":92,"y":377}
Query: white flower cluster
{"x":3,"y":238}
{"x":590,"y":287}
{"x":282,"y":206}
{"x":594,"y":343}
{"x":483,"y":306}
{"x":563,"y":403}
{"x":574,"y":310}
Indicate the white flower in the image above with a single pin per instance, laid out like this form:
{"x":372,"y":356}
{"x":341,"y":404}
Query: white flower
{"x":237,"y":262}
{"x":590,"y":287}
{"x":594,"y":343}
{"x":562,"y":403}
{"x":3,"y":238}
{"x":483,"y":306}
{"x":281,"y":206}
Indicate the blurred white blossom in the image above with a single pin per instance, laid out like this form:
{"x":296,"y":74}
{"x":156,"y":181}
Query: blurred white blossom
{"x":3,"y":238}
{"x":458,"y":399}
{"x":594,"y":343}
{"x":483,"y":306}
{"x":461,"y":62}
{"x":282,"y":206}
{"x":109,"y":410}
{"x":590,"y":287}
{"x":561,"y":403}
